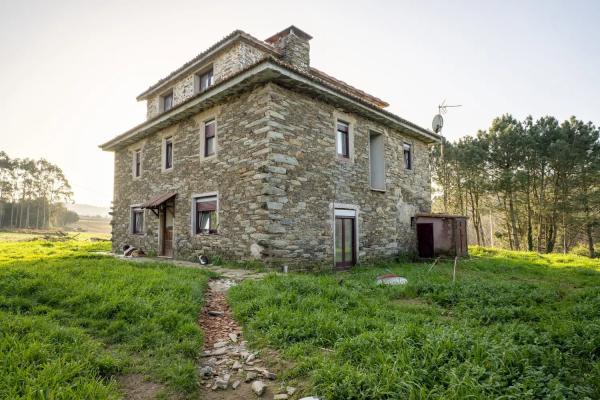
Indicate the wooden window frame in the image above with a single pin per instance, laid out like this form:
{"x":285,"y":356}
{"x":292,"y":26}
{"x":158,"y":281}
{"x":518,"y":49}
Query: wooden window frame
{"x":163,"y":98}
{"x":205,"y":139}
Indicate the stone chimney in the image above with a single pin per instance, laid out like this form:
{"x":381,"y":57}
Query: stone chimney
{"x":294,"y":47}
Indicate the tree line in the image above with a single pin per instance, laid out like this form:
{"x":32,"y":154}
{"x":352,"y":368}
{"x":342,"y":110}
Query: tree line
{"x":526,"y":185}
{"x":33,"y":194}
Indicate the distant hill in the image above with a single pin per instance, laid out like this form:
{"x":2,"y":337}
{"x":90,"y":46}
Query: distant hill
{"x":89,"y":210}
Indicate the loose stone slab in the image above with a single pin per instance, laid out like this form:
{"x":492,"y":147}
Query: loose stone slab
{"x":391,"y":279}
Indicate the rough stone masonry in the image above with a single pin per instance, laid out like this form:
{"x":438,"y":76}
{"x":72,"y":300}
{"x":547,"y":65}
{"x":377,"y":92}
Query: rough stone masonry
{"x":276,"y":171}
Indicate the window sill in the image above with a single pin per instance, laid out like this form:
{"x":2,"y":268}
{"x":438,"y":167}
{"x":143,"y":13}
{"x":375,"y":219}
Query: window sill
{"x":165,"y":170}
{"x":206,"y":234}
{"x":203,"y":157}
{"x":378,"y":190}
{"x":344,"y":159}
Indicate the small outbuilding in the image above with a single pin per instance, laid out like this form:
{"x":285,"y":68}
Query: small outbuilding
{"x":442,"y":235}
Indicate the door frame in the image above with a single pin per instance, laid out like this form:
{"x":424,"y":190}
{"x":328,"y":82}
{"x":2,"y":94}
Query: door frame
{"x":432,"y":225}
{"x":162,"y":210}
{"x":346,"y":211}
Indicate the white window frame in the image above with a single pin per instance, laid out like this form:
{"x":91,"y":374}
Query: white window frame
{"x":195,"y":198}
{"x":163,"y":157}
{"x":411,"y":156}
{"x":132,"y":208}
{"x":133,"y":166}
{"x":346,"y":210}
{"x":203,"y":138}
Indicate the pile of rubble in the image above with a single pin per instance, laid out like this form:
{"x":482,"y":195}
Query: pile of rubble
{"x":229,"y":364}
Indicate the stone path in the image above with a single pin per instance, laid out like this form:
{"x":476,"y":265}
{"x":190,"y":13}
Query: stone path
{"x":228,"y":370}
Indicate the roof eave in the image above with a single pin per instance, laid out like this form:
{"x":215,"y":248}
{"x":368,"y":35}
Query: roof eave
{"x":264,"y":71}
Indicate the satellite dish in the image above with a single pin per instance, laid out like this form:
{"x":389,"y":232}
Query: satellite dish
{"x":437,"y":123}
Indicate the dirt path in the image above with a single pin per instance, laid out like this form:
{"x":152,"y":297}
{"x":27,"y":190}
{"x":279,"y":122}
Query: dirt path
{"x":228,"y":369}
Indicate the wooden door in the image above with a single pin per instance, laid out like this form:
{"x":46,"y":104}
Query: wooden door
{"x":345,"y":243}
{"x":166,"y":220}
{"x":425,"y":240}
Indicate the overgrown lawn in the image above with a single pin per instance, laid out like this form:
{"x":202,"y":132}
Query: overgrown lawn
{"x":72,"y":321}
{"x":513,"y":326}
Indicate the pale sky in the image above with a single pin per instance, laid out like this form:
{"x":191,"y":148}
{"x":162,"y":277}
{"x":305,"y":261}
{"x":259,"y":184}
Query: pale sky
{"x":70,"y":70}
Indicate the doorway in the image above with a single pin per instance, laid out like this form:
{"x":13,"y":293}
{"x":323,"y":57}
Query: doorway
{"x":345,"y":242}
{"x":425,"y":240}
{"x":167,"y":218}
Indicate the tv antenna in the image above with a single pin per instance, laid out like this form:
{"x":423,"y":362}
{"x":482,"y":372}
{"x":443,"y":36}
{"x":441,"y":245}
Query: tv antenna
{"x":437,"y":124}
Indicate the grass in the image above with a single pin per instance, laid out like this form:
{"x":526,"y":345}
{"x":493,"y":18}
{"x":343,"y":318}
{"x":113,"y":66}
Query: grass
{"x":513,"y":326}
{"x":72,"y":321}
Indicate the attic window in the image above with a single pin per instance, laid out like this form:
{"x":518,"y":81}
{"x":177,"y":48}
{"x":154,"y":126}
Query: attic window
{"x":166,"y":101}
{"x":205,"y":80}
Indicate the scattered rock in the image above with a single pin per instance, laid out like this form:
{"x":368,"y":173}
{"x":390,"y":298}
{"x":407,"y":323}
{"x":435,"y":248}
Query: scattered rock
{"x":219,"y":352}
{"x":281,"y":396}
{"x":268,"y":375}
{"x":218,"y":345}
{"x":214,"y":313}
{"x":233,"y":337}
{"x":258,"y":387}
{"x":237,"y":365}
{"x":244,"y":354}
{"x":222,"y":383}
{"x":250,"y":358}
{"x":290,"y":390}
{"x":206,"y":371}
{"x":250,"y":376}
{"x":235,"y":384}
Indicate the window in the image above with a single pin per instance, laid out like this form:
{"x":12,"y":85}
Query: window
{"x":137,"y":163}
{"x":137,"y":221}
{"x":205,"y":80}
{"x":209,"y":137}
{"x":343,"y":139}
{"x":167,"y":101}
{"x":205,"y":219}
{"x":407,"y":156}
{"x":376,"y":160}
{"x":169,"y":153}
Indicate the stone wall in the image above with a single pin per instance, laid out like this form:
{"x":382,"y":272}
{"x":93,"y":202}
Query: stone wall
{"x":225,"y":64}
{"x":234,"y":173}
{"x":307,"y":177}
{"x":278,"y":175}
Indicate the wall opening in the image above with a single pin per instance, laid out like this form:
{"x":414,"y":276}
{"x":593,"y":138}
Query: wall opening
{"x":377,"y":160}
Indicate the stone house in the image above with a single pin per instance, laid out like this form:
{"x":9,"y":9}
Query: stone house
{"x":248,"y":152}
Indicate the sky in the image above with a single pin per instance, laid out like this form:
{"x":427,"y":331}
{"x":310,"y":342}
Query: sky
{"x":70,"y":70}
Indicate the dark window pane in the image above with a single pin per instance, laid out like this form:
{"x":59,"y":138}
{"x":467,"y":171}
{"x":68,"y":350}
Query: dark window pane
{"x":407,"y":156}
{"x":206,"y":80}
{"x":167,"y":102}
{"x":209,"y":149}
{"x":168,"y":154}
{"x":138,"y":221}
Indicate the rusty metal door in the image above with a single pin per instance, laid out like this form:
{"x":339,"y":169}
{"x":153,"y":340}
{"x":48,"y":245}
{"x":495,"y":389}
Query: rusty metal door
{"x":425,"y":240}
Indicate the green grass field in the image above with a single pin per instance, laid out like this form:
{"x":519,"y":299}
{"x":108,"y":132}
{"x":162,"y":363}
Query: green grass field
{"x":513,"y":326}
{"x":73,"y":321}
